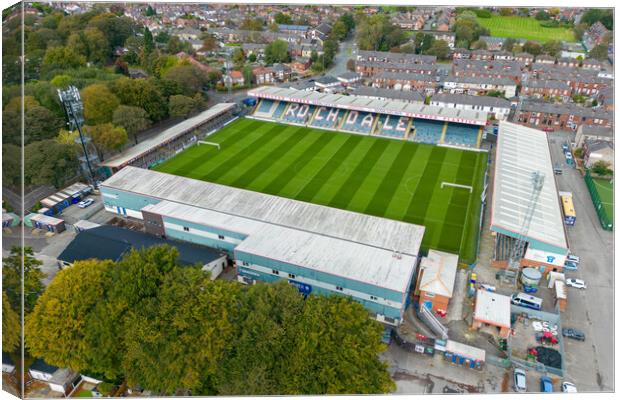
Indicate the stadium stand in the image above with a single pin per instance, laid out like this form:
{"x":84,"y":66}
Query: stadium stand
{"x":427,"y":131}
{"x":279,"y":110}
{"x":358,"y":122}
{"x":392,"y":126}
{"x":298,"y":113}
{"x":326,"y":117}
{"x":266,"y":106}
{"x":462,"y":135}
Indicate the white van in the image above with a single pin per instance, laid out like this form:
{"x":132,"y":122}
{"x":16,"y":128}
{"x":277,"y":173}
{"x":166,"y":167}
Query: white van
{"x":526,"y":300}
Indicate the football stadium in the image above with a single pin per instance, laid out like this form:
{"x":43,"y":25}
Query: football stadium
{"x":397,"y":160}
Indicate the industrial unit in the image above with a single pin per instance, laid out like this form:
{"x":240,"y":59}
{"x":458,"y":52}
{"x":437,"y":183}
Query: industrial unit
{"x":316,"y":248}
{"x":521,"y":152}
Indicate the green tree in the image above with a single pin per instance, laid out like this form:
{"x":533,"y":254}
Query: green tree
{"x":48,"y":162}
{"x":282,"y":18}
{"x":176,"y":45}
{"x":532,"y":48}
{"x":12,"y":278}
{"x":377,"y":32}
{"x":62,"y":58}
{"x":439,"y":49}
{"x":178,"y":340}
{"x":99,"y":103}
{"x":39,"y":122}
{"x":11,"y":165}
{"x":273,"y":27}
{"x":90,"y":43}
{"x":506,"y":11}
{"x":277,"y":52}
{"x":188,"y":77}
{"x":57,"y":327}
{"x":181,"y":106}
{"x":116,"y":29}
{"x":601,"y":168}
{"x":552,"y":47}
{"x":479,"y":45}
{"x":150,"y":11}
{"x":252,"y":57}
{"x":340,"y":30}
{"x":247,"y":75}
{"x":238,"y":57}
{"x":467,"y":29}
{"x":252,"y":24}
{"x":598,"y":52}
{"x":209,"y":43}
{"x":143,"y":93}
{"x":11,"y":326}
{"x":542,"y":15}
{"x":509,"y":44}
{"x":579,"y":30}
{"x":162,"y":37}
{"x":132,"y":119}
{"x":107,"y":137}
{"x":149,"y":44}
{"x":605,"y":16}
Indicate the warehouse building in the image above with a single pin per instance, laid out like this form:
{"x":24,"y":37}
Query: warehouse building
{"x":521,"y":151}
{"x":167,"y":143}
{"x":318,"y":249}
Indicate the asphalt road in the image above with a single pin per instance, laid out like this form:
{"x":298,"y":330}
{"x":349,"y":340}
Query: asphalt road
{"x":346,"y":51}
{"x":589,"y":364}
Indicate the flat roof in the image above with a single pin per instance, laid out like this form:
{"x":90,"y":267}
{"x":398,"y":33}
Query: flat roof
{"x":439,"y":272}
{"x":332,"y":222}
{"x":360,"y":103}
{"x":342,"y":258}
{"x":466,"y":350}
{"x":167,"y":135}
{"x":520,"y":152}
{"x":492,"y":308}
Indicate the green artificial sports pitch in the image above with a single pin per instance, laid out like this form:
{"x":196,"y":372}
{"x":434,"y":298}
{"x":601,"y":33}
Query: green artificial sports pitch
{"x":367,"y":174}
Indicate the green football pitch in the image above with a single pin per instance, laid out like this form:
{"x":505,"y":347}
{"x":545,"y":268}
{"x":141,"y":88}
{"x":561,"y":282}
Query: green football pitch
{"x":605,"y":190}
{"x":376,"y":176}
{"x":524,"y":28}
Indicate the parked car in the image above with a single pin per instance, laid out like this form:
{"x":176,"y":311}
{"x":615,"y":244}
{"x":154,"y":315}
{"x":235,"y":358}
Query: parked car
{"x":520,"y":380}
{"x":576,"y":283}
{"x":548,"y":129}
{"x":573,"y":334}
{"x":564,"y":146}
{"x":546,"y":386}
{"x":572,"y":258}
{"x":571,"y":266}
{"x":568,"y":387}
{"x":85,"y":203}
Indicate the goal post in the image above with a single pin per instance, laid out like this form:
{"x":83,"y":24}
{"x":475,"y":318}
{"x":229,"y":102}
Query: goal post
{"x":471,"y":189}
{"x":209,"y":144}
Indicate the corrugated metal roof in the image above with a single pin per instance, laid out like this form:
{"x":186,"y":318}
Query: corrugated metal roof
{"x":520,"y":152}
{"x":331,"y":222}
{"x":167,"y":135}
{"x":336,"y":257}
{"x":358,"y":103}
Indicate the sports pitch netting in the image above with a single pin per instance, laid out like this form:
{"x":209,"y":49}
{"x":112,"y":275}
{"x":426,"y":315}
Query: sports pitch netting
{"x":377,"y":176}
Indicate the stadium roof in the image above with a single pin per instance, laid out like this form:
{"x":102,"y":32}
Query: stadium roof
{"x":343,"y":258}
{"x":520,"y":152}
{"x":359,"y":103}
{"x":166,"y":136}
{"x":365,"y":229}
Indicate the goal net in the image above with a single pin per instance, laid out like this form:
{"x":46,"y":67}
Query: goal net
{"x":209,"y":144}
{"x":456,"y":185}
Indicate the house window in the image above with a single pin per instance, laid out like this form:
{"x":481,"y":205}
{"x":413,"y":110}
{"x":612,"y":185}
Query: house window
{"x":275,"y":272}
{"x":221,"y":237}
{"x":292,"y":276}
{"x":186,"y":229}
{"x":339,"y":288}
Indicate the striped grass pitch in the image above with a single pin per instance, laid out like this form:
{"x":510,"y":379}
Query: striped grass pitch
{"x":376,"y":176}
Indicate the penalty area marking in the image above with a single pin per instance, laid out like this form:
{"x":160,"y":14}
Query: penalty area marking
{"x":457,"y":186}
{"x":209,"y":143}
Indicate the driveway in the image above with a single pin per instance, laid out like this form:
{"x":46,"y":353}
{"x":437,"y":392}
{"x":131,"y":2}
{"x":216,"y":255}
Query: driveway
{"x":589,"y":363}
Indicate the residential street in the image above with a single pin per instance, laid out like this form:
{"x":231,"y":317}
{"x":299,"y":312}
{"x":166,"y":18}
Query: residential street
{"x":347,"y":50}
{"x":589,"y":364}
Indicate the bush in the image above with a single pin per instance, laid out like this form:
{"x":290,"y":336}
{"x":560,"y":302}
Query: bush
{"x":105,"y":388}
{"x":482,"y":13}
{"x":549,"y":24}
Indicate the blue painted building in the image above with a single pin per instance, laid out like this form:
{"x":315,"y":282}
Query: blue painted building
{"x":318,"y":249}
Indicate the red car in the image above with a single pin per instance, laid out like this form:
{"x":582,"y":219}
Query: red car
{"x":548,"y":129}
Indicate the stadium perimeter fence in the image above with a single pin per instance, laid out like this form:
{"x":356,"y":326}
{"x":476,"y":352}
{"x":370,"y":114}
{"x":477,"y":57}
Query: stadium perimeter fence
{"x":605,"y":220}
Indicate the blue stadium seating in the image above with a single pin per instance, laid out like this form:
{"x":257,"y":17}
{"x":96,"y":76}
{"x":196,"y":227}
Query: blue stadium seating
{"x":462,"y":135}
{"x":427,"y":131}
{"x":392,"y":126}
{"x":326,"y":117}
{"x":298,"y":113}
{"x":279,"y":110}
{"x":265,"y":106}
{"x":356,"y":121}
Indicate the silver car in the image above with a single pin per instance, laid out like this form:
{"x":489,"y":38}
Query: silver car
{"x":520,"y":380}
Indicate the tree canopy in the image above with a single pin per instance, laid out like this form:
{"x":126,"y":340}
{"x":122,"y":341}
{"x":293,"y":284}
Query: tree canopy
{"x":169,"y":327}
{"x":378,"y":33}
{"x":277,"y":52}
